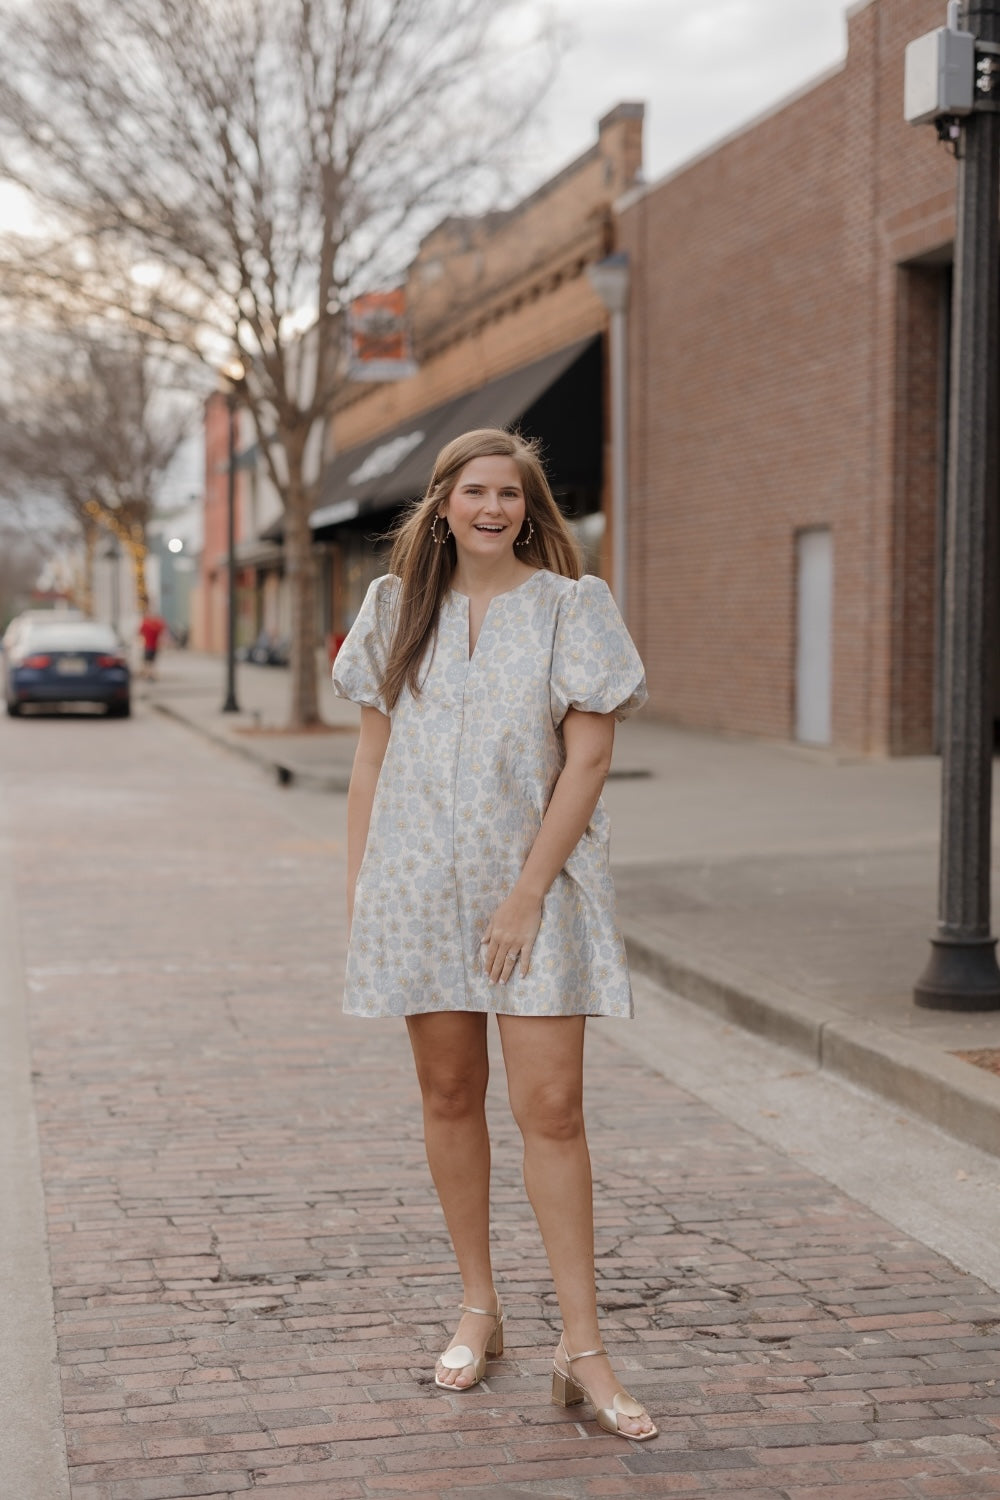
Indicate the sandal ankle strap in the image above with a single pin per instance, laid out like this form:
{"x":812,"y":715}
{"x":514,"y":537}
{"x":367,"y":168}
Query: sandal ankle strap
{"x":585,"y":1355}
{"x":483,"y":1312}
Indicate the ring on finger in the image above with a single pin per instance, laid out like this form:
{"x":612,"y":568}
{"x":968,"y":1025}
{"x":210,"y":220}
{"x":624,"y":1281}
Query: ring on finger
{"x":511,"y":958}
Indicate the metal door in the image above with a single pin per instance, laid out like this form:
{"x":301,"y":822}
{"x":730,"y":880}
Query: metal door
{"x":814,"y":636}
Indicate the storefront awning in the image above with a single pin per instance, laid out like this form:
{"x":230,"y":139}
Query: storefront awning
{"x":255,"y":553}
{"x":259,"y":554}
{"x":397,"y":464}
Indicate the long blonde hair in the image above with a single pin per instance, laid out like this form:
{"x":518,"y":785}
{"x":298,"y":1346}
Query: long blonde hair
{"x":425,"y":567}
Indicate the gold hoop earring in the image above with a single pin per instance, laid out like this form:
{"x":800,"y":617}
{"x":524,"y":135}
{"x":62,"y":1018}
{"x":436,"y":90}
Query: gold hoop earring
{"x":440,"y":540}
{"x":522,"y":541}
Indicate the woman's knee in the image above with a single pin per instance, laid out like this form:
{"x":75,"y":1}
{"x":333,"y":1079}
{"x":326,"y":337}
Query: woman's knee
{"x":452,"y":1063}
{"x":450,"y":1097}
{"x":551,"y":1112}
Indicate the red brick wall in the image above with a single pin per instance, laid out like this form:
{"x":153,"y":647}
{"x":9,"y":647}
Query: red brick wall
{"x":782,"y":375}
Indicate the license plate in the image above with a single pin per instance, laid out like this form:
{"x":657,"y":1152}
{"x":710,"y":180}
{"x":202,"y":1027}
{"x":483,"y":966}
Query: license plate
{"x":71,"y":666}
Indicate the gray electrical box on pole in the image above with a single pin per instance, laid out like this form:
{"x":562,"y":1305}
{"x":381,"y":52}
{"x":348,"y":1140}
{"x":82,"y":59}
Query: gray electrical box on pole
{"x":940,"y":75}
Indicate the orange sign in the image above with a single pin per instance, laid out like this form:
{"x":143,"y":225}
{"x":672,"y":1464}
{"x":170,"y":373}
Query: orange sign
{"x":380,"y":337}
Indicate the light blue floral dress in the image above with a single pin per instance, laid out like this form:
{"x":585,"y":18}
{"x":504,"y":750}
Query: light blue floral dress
{"x":467,"y":776}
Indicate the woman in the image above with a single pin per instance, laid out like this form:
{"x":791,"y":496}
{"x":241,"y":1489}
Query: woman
{"x":490,"y":675}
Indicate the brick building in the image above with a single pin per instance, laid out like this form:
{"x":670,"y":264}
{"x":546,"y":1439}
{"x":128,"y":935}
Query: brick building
{"x":209,"y":603}
{"x":507,"y":330}
{"x":788,"y":338}
{"x":788,"y":335}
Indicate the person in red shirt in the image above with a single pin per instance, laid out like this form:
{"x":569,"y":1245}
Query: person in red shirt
{"x":150,"y":630}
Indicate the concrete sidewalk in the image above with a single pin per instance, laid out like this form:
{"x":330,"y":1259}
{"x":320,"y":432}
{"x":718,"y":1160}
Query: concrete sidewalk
{"x":190,"y":687}
{"x":791,"y":891}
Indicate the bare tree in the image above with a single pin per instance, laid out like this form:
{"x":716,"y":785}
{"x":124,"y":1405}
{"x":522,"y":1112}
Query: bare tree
{"x":21,"y":558}
{"x":256,"y":164}
{"x":92,"y":421}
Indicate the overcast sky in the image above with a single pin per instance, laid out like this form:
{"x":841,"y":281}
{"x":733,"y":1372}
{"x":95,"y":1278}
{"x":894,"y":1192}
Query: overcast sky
{"x":702,"y":67}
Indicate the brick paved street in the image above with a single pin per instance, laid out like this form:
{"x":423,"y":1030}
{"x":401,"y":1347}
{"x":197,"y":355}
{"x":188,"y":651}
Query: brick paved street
{"x":252,"y":1277}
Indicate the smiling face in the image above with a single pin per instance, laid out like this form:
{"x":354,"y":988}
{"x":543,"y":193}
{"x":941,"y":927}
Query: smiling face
{"x":486,"y":509}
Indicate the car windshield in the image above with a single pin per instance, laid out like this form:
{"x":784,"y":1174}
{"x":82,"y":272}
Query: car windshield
{"x":70,"y":637}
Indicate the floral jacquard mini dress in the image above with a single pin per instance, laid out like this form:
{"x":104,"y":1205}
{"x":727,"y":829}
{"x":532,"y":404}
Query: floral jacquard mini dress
{"x":469,"y":769}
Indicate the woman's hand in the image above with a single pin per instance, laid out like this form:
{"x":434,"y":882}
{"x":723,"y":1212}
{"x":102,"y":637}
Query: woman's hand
{"x":510,"y":936}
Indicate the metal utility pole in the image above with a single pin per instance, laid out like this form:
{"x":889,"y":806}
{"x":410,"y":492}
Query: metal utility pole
{"x":610,"y":280}
{"x":962,"y":972}
{"x":230,"y":706}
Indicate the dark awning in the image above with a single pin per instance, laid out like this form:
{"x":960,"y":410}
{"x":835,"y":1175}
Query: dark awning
{"x":396,"y":465}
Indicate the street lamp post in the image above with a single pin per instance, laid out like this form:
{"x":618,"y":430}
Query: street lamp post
{"x":234,"y":381}
{"x":963,"y":65}
{"x":610,"y":280}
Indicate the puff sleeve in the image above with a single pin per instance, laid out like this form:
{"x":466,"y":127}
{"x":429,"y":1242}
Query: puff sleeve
{"x":595,"y":666}
{"x":360,"y":663}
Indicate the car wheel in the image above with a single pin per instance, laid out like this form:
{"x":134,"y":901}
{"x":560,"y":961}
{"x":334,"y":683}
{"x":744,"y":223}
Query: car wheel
{"x":120,"y":710}
{"x":13,"y":710}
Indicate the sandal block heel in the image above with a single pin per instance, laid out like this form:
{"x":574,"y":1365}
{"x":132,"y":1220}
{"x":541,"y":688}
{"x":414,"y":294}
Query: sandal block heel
{"x":494,"y":1344}
{"x":565,"y":1391}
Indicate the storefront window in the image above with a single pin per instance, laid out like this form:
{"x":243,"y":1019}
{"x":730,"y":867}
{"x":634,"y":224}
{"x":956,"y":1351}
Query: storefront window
{"x":362,"y":564}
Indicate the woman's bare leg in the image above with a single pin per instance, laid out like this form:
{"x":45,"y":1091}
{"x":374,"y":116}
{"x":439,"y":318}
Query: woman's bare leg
{"x":544,"y":1060}
{"x":449,"y":1048}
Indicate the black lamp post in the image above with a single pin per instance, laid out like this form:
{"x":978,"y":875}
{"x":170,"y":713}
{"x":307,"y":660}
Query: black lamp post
{"x":962,"y":972}
{"x":234,"y":386}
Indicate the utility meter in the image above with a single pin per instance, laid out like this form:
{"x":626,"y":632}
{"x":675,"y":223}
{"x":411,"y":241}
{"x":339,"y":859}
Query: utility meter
{"x":940,"y":76}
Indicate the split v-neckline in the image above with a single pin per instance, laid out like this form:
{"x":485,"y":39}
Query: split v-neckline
{"x":472,"y":649}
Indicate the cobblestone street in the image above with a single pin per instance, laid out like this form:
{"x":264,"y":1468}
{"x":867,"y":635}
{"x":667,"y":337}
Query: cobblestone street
{"x":251,"y":1274}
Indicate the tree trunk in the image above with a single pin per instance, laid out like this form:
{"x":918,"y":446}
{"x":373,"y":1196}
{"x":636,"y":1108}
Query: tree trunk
{"x":137,"y":551}
{"x":300,"y":570}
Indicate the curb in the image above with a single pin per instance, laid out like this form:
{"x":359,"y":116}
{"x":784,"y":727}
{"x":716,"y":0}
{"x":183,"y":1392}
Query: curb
{"x":284,"y":774}
{"x":954,"y":1095}
{"x":32,"y":1443}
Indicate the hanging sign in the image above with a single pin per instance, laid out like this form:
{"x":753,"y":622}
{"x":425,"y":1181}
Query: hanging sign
{"x":379,"y":337}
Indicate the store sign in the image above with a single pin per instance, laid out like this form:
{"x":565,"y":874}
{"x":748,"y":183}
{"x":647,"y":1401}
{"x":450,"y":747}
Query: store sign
{"x":379,"y":337}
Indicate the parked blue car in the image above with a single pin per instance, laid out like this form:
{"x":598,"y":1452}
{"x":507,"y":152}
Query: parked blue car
{"x":73,"y":662}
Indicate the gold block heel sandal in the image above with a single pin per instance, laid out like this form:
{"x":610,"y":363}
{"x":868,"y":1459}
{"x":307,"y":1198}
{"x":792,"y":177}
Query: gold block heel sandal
{"x":460,"y":1355}
{"x":567,"y":1391}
